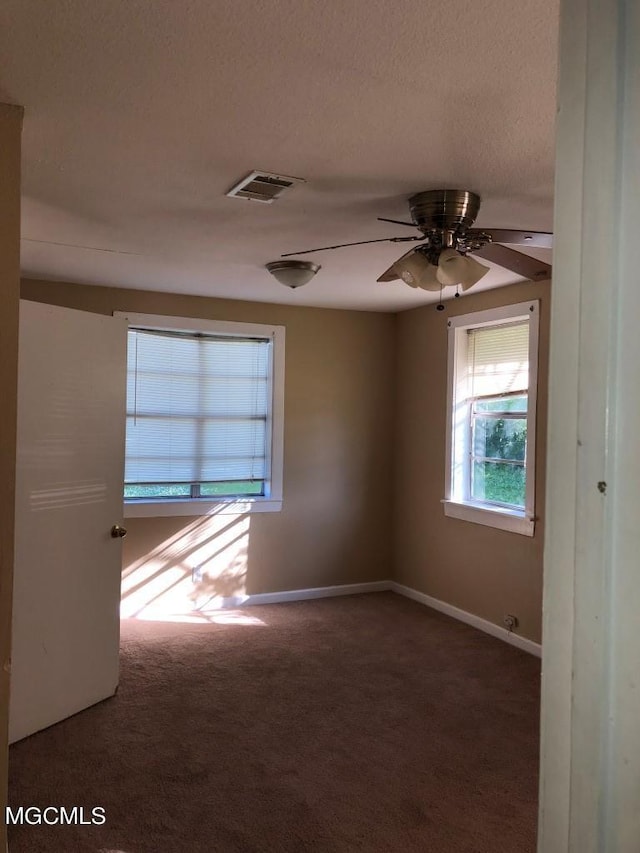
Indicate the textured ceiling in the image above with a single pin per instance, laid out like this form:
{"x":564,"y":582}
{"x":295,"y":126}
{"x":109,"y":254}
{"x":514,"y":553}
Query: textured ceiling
{"x":141,"y":114}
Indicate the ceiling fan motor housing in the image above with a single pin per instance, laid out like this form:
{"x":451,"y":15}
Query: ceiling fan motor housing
{"x":444,"y":210}
{"x":444,"y":216}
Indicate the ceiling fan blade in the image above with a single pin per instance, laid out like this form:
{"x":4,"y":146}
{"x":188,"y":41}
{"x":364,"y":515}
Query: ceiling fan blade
{"x":539,"y":239}
{"x":357,"y":243}
{"x":397,"y":222}
{"x":393,"y":272}
{"x":515,"y":261}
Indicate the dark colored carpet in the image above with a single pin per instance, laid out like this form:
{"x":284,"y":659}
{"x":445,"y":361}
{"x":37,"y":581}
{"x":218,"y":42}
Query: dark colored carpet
{"x":360,"y":723}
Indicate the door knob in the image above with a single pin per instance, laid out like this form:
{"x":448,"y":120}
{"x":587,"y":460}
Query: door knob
{"x":118,"y":532}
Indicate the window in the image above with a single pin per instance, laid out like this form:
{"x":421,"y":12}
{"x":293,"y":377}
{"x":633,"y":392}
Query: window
{"x":491,"y":410}
{"x":204,"y":416}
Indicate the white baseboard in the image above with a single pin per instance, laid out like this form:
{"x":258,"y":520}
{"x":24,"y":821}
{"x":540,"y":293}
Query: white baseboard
{"x":380,"y":586}
{"x":470,"y":619}
{"x":314,"y":592}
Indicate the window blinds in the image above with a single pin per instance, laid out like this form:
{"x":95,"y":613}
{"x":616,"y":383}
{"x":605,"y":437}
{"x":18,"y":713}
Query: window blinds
{"x":197,"y":408}
{"x":498,"y":359}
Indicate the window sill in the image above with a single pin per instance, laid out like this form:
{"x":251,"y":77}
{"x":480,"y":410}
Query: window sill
{"x":502,"y":519}
{"x":199,"y":507}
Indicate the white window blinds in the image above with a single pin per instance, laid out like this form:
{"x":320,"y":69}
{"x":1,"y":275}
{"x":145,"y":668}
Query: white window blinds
{"x":198,"y":408}
{"x":498,"y":359}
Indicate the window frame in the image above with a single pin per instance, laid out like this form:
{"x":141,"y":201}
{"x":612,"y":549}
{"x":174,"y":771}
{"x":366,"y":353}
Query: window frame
{"x":271,"y":501}
{"x":457,"y":503}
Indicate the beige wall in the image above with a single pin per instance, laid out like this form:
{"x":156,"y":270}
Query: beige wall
{"x":334,"y":527}
{"x":10,"y":129}
{"x":364,"y":461}
{"x":482,"y":570}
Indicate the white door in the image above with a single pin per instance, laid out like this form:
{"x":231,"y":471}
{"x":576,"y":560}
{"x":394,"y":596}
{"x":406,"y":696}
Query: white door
{"x":69,"y":487}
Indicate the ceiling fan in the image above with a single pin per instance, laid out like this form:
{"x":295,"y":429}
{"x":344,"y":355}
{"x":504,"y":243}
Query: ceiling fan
{"x":444,"y":259}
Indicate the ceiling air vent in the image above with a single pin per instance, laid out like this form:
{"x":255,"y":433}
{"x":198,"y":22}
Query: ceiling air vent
{"x":262,"y":186}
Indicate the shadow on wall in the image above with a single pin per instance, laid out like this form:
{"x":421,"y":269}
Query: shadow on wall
{"x":192,"y":574}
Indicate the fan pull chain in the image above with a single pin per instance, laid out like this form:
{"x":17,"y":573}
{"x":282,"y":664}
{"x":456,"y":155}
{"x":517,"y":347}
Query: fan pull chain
{"x":440,"y":306}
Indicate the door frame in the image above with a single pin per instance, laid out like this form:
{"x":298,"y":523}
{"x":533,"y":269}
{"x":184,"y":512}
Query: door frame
{"x":590,"y":748}
{"x":10,"y":135}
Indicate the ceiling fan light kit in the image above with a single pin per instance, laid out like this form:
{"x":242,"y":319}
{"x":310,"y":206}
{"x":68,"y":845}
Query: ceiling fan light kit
{"x":454,"y":269}
{"x":445,"y":218}
{"x":415,"y":270}
{"x":293,"y":273}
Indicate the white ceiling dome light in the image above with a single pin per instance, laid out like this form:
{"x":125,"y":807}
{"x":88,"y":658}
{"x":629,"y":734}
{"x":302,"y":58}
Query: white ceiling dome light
{"x":293,"y":273}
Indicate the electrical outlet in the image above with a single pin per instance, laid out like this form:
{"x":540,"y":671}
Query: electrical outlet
{"x":510,"y":622}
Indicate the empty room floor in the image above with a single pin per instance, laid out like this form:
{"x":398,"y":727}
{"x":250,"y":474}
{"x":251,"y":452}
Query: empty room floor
{"x":366,"y":722}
